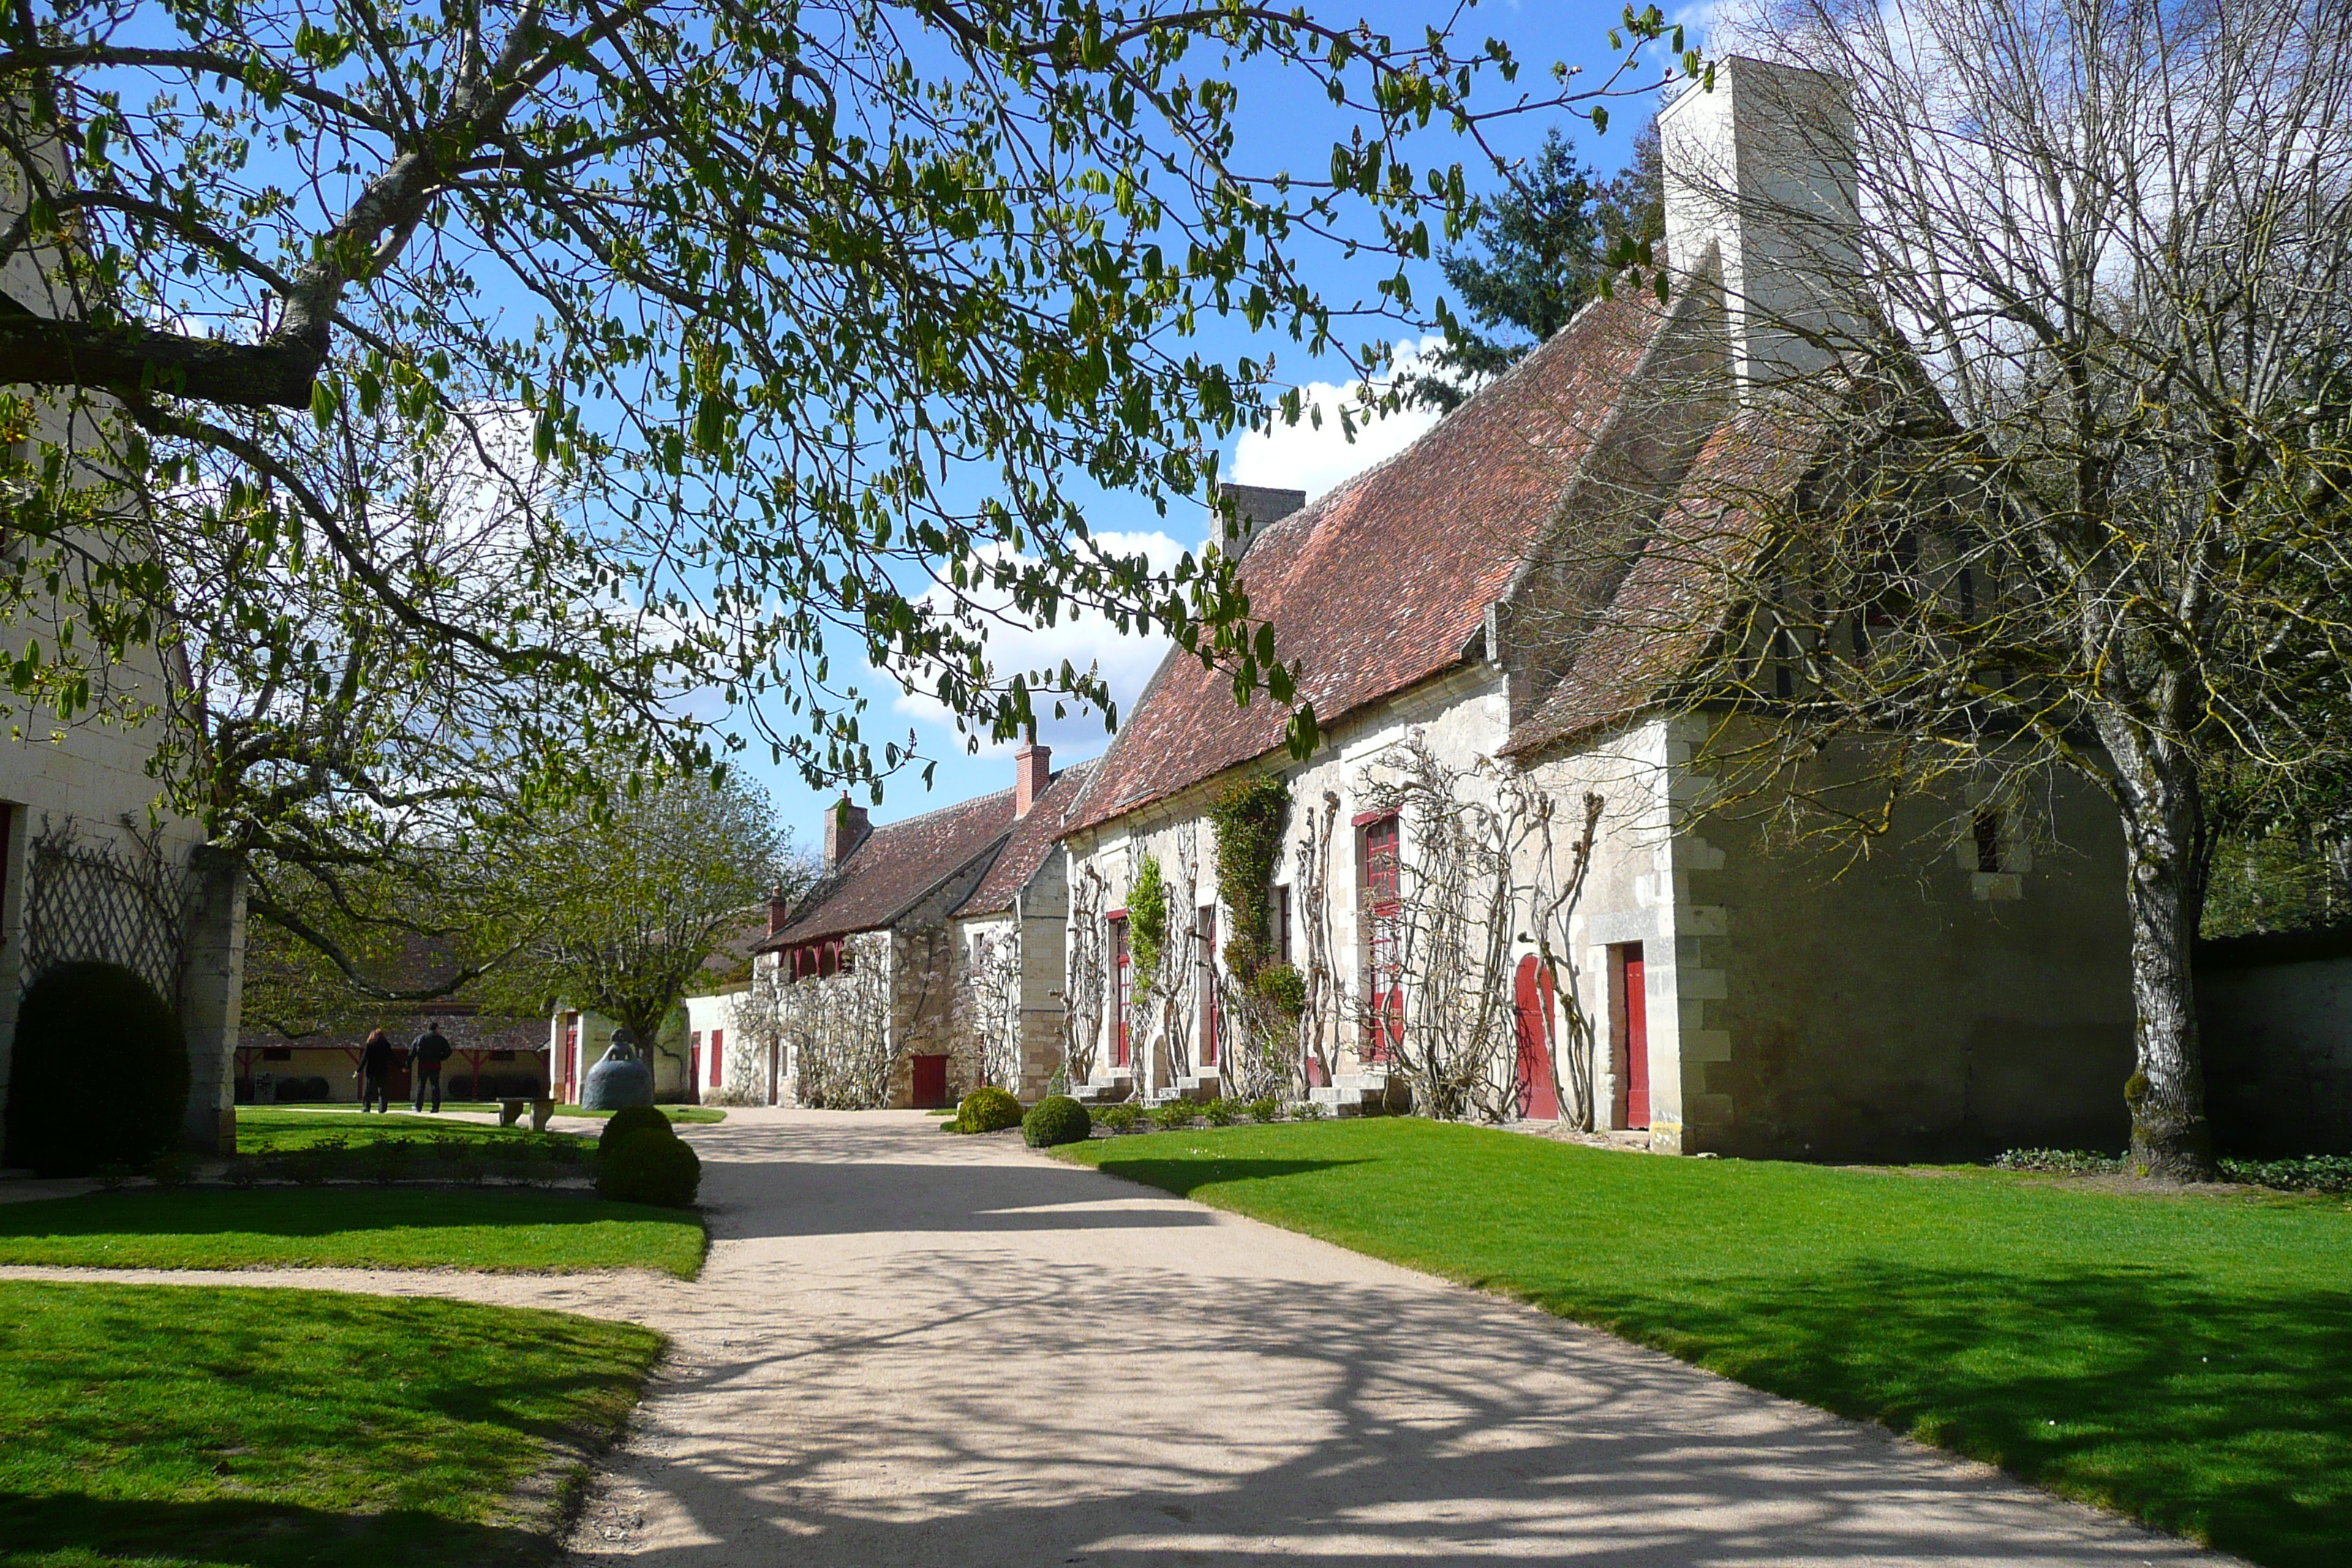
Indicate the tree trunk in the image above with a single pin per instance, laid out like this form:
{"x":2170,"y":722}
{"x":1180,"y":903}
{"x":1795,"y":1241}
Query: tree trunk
{"x":2164,"y":845}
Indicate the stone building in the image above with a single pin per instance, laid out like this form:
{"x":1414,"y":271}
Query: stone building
{"x":88,"y":869}
{"x":1488,"y":626}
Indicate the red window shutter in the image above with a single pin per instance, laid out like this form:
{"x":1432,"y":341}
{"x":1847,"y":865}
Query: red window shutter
{"x":718,"y":1038}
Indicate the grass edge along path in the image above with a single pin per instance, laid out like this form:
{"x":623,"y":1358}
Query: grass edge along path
{"x":167,"y":1426}
{"x":492,"y":1230}
{"x":2184,"y":1360}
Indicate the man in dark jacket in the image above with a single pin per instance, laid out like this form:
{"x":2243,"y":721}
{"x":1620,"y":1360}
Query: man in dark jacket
{"x":375,"y":1072}
{"x":425,"y":1060}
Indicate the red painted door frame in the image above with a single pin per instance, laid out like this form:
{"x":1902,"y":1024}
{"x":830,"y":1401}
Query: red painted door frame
{"x":1120,"y":980}
{"x":1633,"y":1095}
{"x":1534,"y":1091}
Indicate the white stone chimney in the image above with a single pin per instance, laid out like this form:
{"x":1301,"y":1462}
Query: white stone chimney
{"x":1762,"y":168}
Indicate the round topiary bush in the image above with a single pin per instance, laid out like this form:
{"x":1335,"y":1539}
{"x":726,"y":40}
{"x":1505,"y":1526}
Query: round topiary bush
{"x":988,"y":1110}
{"x":649,"y":1167}
{"x":1056,"y":1119}
{"x":632,"y":1119}
{"x":100,"y":1074}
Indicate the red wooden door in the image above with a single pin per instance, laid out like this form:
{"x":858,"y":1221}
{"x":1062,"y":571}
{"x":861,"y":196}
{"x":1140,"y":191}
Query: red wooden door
{"x":931,"y":1082}
{"x":1118,"y":991}
{"x":571,"y":1058}
{"x":1534,"y":1091}
{"x":1637,"y":1039}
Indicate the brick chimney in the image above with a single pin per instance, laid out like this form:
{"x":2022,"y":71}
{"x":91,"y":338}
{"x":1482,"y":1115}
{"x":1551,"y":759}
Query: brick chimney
{"x":1254,"y":507}
{"x":845,"y":827}
{"x":1032,"y":770}
{"x":779,"y":909}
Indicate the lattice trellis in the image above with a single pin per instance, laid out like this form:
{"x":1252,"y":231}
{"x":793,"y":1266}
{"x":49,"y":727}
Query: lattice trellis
{"x":116,"y":900}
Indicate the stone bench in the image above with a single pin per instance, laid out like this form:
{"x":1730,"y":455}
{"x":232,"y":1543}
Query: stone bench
{"x":510,"y":1112}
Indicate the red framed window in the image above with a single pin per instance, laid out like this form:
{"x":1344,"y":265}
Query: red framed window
{"x":1378,"y":888}
{"x":1282,"y":923}
{"x":1121,"y":980}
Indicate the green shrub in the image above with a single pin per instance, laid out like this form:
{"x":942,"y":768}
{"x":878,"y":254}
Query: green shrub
{"x":1267,"y":1110}
{"x":1174,"y":1113}
{"x":2310,"y":1173}
{"x":1309,"y":1111}
{"x":94,"y":1023}
{"x":1221,"y":1113}
{"x":649,"y":1167}
{"x":632,"y":1119}
{"x":987,"y":1109}
{"x":1056,"y":1119}
{"x":1119,"y":1118}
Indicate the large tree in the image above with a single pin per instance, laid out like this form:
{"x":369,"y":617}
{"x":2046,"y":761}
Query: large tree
{"x":482,"y":400}
{"x":2073,"y":380}
{"x":621,"y":908}
{"x":815,"y":307}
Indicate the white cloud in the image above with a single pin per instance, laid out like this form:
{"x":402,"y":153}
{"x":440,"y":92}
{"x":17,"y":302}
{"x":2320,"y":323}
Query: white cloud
{"x":1314,"y":458}
{"x":1124,"y":660}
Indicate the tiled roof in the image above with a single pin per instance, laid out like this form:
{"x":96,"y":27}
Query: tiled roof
{"x":897,"y":867}
{"x":1033,"y":837}
{"x":1386,"y":580}
{"x":1667,"y":610}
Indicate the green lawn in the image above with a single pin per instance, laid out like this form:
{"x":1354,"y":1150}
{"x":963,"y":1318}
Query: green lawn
{"x":349,"y":1227}
{"x":284,"y":1130}
{"x":2185,"y":1359}
{"x":166,"y":1425}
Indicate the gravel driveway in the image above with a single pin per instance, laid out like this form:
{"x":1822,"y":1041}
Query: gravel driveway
{"x":912,"y":1349}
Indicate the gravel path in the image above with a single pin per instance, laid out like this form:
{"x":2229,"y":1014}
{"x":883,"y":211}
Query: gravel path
{"x":910,"y":1349}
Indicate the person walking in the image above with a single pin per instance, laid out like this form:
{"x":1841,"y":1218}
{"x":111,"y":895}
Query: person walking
{"x":375,"y":1072}
{"x":425,"y":1060}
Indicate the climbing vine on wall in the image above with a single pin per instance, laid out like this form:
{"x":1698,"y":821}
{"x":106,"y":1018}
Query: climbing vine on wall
{"x":1248,"y":820}
{"x":1147,"y":921}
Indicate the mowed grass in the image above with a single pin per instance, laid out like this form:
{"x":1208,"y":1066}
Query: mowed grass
{"x":2186,"y":1359}
{"x":348,"y":1227}
{"x":168,"y":1426}
{"x":283,"y":1130}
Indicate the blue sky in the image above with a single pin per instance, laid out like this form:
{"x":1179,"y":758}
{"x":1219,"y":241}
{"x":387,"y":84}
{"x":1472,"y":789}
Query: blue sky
{"x":1278,"y":124}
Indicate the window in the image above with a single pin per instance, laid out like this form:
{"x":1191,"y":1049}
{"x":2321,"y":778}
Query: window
{"x":1205,"y":925}
{"x":1784,"y":677}
{"x":1987,"y":833}
{"x":277,"y":1054}
{"x":1379,"y":883}
{"x":1120,"y":982}
{"x":1282,"y":923}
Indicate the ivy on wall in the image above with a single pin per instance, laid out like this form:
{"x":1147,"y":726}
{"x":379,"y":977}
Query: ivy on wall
{"x":1248,"y":820}
{"x":1147,"y":920}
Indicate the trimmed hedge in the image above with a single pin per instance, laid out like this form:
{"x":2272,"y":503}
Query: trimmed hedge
{"x":988,"y":1110}
{"x":100,"y":1072}
{"x":632,"y":1119}
{"x":1056,"y":1119}
{"x":648,"y":1167}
